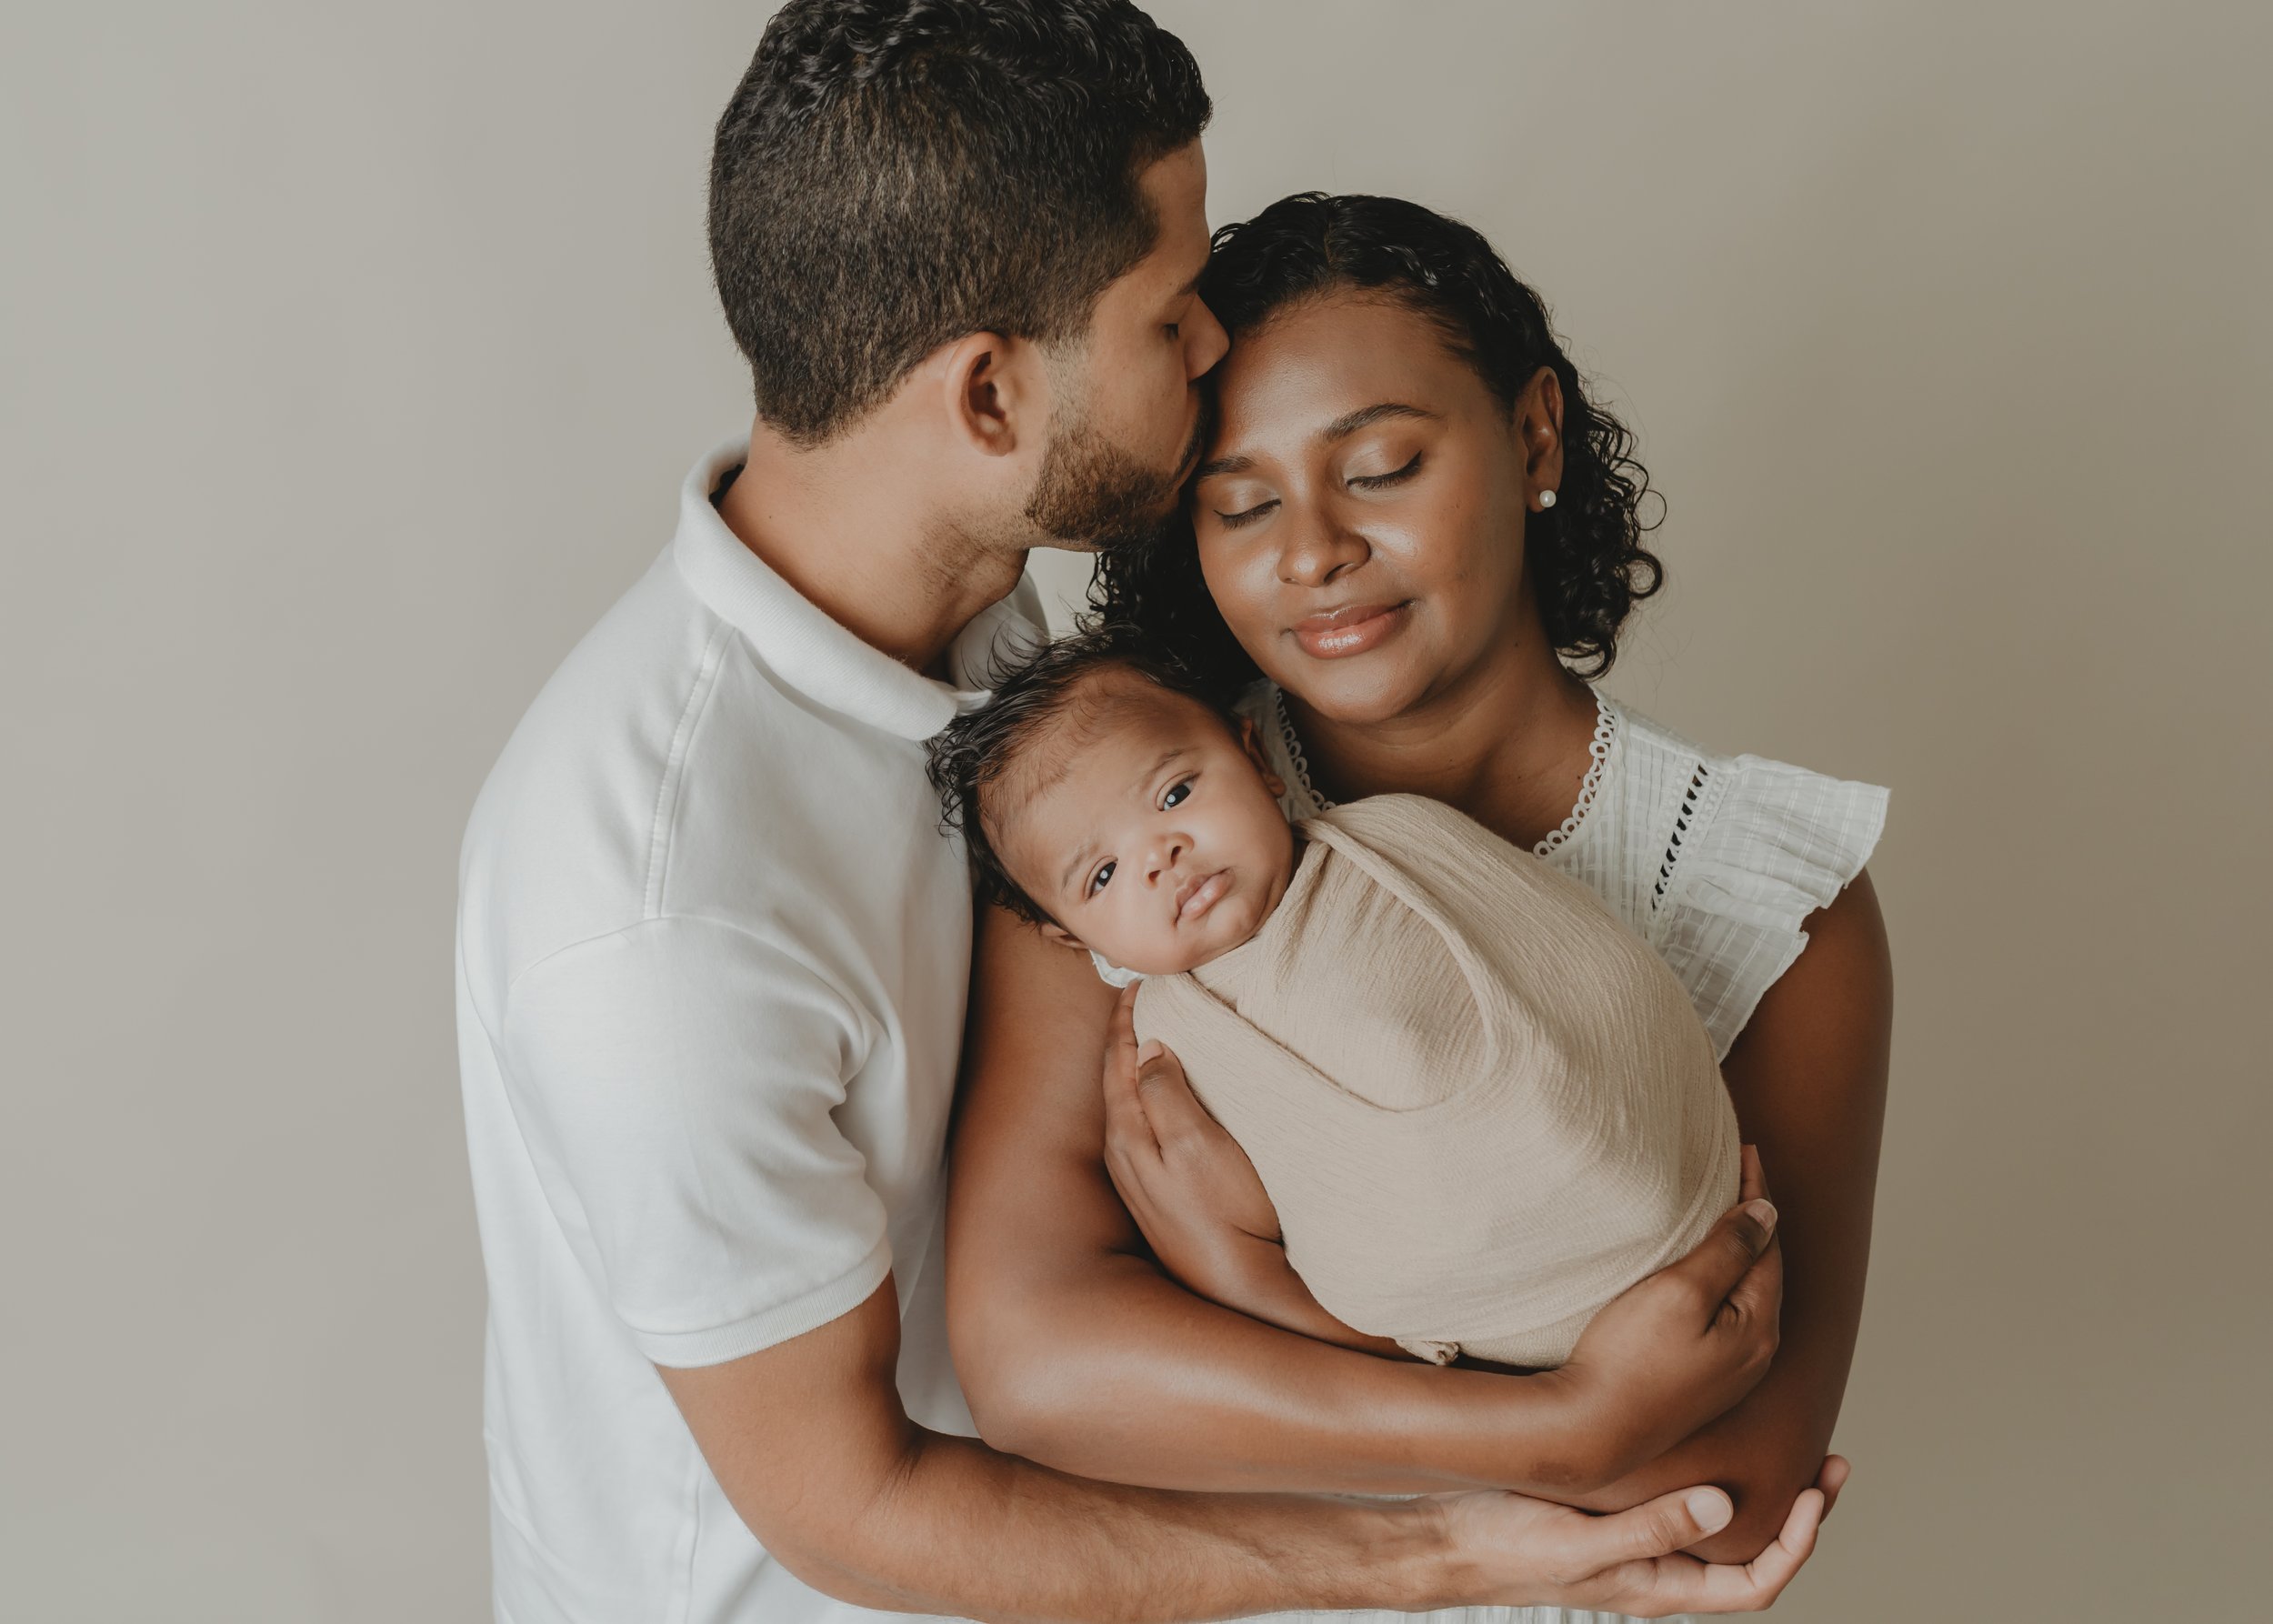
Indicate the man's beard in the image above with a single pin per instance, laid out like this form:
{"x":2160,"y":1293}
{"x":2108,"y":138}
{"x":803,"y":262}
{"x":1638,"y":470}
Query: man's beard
{"x":1091,"y":492}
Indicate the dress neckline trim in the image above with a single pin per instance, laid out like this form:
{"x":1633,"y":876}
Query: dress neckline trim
{"x":1606,"y":730}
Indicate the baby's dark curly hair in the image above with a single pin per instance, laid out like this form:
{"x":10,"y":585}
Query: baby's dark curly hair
{"x":969,"y":755}
{"x":1587,"y":564}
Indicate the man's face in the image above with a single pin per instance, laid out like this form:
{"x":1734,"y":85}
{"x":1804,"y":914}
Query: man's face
{"x":1125,"y":430}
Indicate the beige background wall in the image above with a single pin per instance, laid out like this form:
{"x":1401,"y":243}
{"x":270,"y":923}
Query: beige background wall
{"x":351,"y":355}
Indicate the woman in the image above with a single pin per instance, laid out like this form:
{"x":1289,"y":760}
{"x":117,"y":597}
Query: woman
{"x":1415,"y":528}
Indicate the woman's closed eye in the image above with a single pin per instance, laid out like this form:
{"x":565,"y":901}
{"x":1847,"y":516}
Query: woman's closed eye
{"x":1246,"y":515}
{"x":1374,"y":482}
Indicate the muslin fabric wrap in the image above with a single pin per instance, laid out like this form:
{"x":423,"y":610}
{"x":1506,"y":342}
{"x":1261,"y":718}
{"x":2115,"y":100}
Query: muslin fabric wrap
{"x":1482,"y":1106}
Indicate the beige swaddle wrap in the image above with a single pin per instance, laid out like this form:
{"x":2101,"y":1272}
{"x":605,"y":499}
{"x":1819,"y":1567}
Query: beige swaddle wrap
{"x":1481,"y":1105}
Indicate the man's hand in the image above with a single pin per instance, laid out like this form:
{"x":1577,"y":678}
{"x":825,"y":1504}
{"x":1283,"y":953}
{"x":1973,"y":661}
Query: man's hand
{"x":1533,"y":1551}
{"x":810,"y":1443}
{"x":1682,"y":1346}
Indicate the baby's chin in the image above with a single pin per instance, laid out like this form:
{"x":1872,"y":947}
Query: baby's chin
{"x":1232,"y":922}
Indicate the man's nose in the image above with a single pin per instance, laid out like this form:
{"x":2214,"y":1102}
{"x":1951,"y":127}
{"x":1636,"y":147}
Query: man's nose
{"x":1205,"y":342}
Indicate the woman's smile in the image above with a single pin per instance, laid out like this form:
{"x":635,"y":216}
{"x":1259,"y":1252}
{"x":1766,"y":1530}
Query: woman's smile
{"x":1352,"y":629}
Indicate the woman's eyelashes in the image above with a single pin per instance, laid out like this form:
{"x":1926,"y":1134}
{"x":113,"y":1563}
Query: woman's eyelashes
{"x":1232,"y":521}
{"x":1363,"y":481}
{"x":1374,"y":482}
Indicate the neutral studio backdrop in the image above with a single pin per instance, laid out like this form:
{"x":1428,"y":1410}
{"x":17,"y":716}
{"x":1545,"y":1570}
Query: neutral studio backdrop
{"x":351,"y":358}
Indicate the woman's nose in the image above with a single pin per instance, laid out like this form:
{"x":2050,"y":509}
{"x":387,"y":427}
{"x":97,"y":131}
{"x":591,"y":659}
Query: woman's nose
{"x":1316,"y":548}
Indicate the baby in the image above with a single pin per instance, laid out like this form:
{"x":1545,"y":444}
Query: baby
{"x":1481,"y":1106}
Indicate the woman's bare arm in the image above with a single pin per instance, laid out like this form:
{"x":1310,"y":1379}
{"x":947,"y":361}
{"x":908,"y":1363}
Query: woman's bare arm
{"x":1075,"y":1350}
{"x":1809,"y":1081}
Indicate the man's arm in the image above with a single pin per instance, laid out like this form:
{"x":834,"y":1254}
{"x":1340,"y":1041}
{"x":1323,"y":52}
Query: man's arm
{"x":1074,"y":1349}
{"x":1809,"y":1081}
{"x":810,"y":1443}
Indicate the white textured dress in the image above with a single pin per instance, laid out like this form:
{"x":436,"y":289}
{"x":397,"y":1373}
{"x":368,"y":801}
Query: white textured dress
{"x":1714,"y":860}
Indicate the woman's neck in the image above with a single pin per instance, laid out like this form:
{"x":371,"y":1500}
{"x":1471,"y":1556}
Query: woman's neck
{"x":1506,"y":743}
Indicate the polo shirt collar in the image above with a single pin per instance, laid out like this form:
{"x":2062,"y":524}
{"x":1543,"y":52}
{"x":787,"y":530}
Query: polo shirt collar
{"x":812,"y":653}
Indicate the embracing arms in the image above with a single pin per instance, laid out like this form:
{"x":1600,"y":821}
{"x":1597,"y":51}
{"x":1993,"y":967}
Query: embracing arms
{"x":1808,"y":1078}
{"x":810,"y":1443}
{"x":1074,"y":1348}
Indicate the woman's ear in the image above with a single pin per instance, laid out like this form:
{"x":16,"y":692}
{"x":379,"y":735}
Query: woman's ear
{"x":993,"y":390}
{"x":1540,"y":432}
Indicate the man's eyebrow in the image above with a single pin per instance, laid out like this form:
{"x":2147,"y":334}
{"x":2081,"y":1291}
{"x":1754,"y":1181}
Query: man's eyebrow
{"x":1341,"y":428}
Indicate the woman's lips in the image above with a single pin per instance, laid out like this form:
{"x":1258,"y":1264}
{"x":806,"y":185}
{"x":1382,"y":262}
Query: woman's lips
{"x":1197,"y":897}
{"x":1350,"y":630}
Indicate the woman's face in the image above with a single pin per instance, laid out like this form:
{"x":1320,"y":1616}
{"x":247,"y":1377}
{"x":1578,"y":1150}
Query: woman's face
{"x":1360,"y":513}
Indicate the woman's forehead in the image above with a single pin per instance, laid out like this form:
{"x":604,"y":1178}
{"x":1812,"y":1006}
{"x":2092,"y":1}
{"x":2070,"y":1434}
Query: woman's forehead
{"x":1317,"y":361}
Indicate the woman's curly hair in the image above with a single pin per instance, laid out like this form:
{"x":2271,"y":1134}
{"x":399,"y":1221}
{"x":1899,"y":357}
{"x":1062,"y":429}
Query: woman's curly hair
{"x":1584,"y":556}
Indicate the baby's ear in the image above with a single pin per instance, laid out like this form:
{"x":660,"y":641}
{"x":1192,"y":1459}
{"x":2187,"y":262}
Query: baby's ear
{"x":1251,"y":741}
{"x":1054,"y":932}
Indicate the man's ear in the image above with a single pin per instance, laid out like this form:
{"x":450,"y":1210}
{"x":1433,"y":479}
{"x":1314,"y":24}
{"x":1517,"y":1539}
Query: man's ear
{"x":1053,"y":931}
{"x":994,"y":388}
{"x":1251,"y":741}
{"x":1539,"y":431}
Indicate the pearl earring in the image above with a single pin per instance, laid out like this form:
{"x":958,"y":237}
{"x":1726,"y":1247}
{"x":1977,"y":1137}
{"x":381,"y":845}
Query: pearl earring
{"x":1546,"y":498}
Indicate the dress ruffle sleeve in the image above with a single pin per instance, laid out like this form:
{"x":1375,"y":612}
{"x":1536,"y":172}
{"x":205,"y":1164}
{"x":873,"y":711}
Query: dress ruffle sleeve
{"x":1760,"y":845}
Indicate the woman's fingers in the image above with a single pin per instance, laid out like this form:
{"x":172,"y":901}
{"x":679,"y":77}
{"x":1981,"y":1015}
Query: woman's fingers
{"x":1174,"y":1112}
{"x":1729,"y":1251}
{"x":1751,"y":1183}
{"x":1123,"y":1107}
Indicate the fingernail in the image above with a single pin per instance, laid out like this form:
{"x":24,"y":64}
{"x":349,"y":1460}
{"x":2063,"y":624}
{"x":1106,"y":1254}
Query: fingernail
{"x":1153,"y":1045}
{"x":1764,"y":1211}
{"x":1710,"y":1508}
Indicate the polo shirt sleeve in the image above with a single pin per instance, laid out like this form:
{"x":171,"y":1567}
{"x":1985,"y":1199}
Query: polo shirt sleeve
{"x":674,"y":1082}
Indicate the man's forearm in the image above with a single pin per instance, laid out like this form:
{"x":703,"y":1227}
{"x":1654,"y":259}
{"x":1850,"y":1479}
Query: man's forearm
{"x":963,"y":1529}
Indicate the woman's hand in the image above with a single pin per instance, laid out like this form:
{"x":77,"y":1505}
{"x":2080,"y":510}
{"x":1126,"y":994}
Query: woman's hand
{"x":1184,"y":1180}
{"x":1680,"y":1346}
{"x":1195,"y":1196}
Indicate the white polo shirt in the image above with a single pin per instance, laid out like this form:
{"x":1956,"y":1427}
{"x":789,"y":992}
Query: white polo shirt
{"x":713,"y":951}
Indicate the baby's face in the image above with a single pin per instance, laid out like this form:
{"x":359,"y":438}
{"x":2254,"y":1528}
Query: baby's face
{"x":1146,"y":828}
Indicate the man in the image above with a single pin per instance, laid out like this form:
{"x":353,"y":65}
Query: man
{"x":713,"y":946}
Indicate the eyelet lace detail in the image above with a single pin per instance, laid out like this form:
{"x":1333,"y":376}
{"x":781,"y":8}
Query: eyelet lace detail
{"x":1681,"y":820}
{"x":1606,"y":726}
{"x":1295,"y":758}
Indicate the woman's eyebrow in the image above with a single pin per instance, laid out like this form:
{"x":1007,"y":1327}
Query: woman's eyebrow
{"x":1341,"y":428}
{"x":1349,"y":423}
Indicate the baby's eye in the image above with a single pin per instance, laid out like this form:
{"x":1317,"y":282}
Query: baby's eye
{"x":1098,"y":880}
{"x":1175,"y":796}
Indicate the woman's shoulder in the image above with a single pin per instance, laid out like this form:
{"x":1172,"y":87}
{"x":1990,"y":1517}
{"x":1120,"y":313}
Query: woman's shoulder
{"x":1720,"y":859}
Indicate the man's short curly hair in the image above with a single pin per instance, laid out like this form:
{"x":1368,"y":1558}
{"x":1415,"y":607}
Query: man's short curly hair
{"x":969,"y":757}
{"x":893,"y":175}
